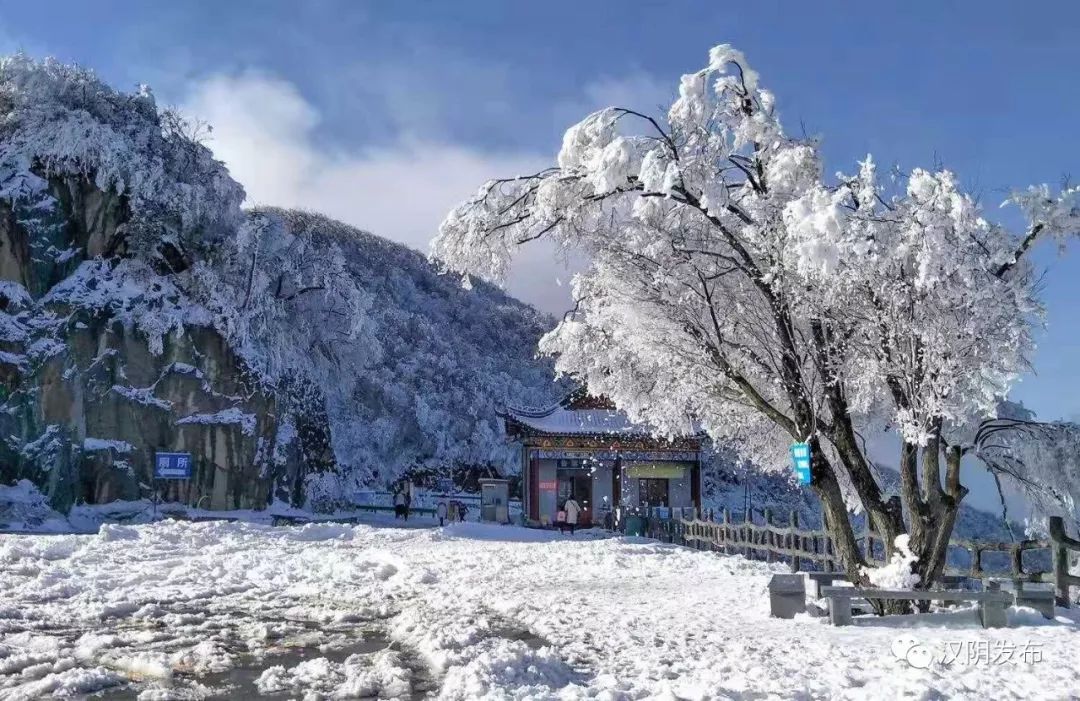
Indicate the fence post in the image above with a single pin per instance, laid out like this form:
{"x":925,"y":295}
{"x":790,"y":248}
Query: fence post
{"x":747,"y":534}
{"x":1017,"y":557}
{"x":768,"y":536}
{"x":976,"y":562}
{"x":796,"y":541}
{"x":726,"y":521}
{"x":1061,"y":560}
{"x":740,"y":535}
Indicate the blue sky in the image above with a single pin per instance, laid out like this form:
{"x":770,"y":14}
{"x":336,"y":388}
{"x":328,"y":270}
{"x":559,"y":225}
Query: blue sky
{"x":386,"y":113}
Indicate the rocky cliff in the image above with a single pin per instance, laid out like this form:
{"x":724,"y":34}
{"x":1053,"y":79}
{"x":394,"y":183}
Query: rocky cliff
{"x":87,"y":400}
{"x":142,"y":310}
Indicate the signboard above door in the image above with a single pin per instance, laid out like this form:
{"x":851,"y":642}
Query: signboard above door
{"x":656,"y":470}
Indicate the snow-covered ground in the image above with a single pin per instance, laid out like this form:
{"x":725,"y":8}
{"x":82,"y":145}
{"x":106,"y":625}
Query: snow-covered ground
{"x":189,"y":610}
{"x":24,"y":509}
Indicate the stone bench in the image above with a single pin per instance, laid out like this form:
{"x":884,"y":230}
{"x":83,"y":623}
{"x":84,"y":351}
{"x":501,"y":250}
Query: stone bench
{"x":992,"y":602}
{"x":817,"y":580}
{"x":1042,"y":600}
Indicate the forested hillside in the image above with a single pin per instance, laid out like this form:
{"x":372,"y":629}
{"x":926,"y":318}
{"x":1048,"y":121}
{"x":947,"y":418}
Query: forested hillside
{"x":142,"y":309}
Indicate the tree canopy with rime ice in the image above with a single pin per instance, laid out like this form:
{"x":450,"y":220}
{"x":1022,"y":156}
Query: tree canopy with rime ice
{"x":731,"y":282}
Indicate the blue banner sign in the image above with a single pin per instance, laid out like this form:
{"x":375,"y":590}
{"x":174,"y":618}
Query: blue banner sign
{"x":800,"y":456}
{"x":172,"y":466}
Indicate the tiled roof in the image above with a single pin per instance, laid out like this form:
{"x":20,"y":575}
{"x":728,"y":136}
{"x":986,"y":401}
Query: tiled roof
{"x":582,"y":421}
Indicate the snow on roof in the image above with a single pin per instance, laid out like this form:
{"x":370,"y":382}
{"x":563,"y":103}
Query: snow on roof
{"x":584,"y":421}
{"x":581,"y":413}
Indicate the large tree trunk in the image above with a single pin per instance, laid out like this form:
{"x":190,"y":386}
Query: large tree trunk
{"x":886,"y":517}
{"x":835,"y":512}
{"x":943,"y":505}
{"x":933,"y":507}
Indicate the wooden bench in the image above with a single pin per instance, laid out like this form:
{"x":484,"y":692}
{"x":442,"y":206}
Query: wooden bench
{"x":992,"y":602}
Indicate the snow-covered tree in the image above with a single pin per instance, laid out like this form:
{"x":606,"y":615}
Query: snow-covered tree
{"x":404,"y":369}
{"x":1040,"y":459}
{"x":731,"y":284}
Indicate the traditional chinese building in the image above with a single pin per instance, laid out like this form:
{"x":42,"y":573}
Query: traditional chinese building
{"x":585,"y":448}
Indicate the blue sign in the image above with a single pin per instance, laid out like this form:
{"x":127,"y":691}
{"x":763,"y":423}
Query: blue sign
{"x":172,"y":466}
{"x":444,"y":485}
{"x":800,"y":456}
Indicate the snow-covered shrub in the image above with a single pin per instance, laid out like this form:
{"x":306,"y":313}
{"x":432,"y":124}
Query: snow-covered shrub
{"x":897,"y":573}
{"x":22,"y":503}
{"x":324,"y":492}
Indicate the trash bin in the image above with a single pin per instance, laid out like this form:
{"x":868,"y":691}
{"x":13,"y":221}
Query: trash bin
{"x":635,"y":525}
{"x":787,"y":595}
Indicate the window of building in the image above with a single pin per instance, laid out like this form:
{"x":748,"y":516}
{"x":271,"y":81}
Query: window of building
{"x":653,"y":492}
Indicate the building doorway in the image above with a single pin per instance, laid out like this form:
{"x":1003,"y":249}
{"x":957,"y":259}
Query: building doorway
{"x":576,"y":483}
{"x":653,"y":492}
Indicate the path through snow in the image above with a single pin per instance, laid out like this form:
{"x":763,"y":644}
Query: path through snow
{"x":191,"y":610}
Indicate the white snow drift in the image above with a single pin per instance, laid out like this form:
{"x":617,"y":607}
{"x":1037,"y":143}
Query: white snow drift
{"x":328,"y":611}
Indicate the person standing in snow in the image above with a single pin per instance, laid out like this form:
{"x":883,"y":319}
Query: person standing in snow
{"x":572,"y":510}
{"x":399,"y":504}
{"x":440,"y":511}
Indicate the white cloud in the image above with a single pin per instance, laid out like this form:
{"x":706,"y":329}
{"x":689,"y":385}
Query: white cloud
{"x":265,"y":131}
{"x":638,"y":91}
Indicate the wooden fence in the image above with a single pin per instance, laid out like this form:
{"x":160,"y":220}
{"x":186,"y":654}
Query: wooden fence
{"x":813,"y":549}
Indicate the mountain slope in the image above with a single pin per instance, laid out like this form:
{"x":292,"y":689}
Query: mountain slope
{"x":427,"y":367}
{"x":141,"y":310}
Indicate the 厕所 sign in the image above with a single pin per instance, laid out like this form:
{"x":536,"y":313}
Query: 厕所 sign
{"x":172,"y":466}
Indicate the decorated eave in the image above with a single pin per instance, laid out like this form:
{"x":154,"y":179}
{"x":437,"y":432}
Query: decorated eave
{"x":592,"y":421}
